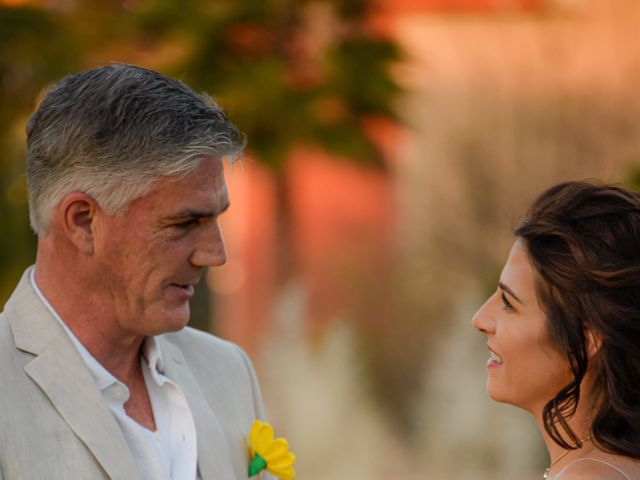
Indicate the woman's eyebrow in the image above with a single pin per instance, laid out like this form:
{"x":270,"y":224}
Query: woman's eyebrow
{"x":509,"y":291}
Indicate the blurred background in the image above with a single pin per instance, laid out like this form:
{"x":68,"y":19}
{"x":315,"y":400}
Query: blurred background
{"x":393,"y":146}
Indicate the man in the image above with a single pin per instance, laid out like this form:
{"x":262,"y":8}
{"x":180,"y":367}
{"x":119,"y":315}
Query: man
{"x":100,"y":378}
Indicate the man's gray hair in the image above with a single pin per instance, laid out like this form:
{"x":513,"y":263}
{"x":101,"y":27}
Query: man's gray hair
{"x":113,"y":132}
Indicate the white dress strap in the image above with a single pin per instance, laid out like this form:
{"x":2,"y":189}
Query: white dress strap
{"x":557,"y":477}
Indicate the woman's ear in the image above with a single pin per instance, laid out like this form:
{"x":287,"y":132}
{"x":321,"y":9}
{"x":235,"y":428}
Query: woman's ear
{"x":78,"y":214}
{"x":594,"y":342}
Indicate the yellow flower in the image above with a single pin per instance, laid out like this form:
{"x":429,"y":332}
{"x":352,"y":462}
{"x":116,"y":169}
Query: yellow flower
{"x":267,"y":453}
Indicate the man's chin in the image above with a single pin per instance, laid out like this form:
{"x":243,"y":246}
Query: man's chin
{"x":174,"y":319}
{"x":178,"y":322}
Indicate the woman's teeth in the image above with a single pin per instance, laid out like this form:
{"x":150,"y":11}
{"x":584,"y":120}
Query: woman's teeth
{"x":495,"y":357}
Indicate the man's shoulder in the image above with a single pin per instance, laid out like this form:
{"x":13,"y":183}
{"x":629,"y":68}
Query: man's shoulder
{"x":6,"y":336}
{"x":217,"y":364}
{"x":196,"y":343}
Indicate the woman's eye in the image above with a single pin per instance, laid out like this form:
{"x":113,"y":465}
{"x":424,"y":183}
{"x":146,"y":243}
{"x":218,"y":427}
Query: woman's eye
{"x":505,"y":303}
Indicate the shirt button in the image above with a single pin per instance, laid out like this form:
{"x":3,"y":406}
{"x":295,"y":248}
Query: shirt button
{"x":119,"y":392}
{"x":158,"y":435}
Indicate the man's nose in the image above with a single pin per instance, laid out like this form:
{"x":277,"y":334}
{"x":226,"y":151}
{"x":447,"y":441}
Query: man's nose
{"x":483,"y":319}
{"x":210,"y":250}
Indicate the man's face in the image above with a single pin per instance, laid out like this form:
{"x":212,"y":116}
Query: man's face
{"x":149,"y":259}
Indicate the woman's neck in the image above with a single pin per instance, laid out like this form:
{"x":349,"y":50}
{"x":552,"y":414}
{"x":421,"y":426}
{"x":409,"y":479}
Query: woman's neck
{"x":580,"y":424}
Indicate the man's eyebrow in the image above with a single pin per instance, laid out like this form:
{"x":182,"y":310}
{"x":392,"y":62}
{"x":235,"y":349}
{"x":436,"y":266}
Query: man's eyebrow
{"x":509,"y":291}
{"x":189,"y":213}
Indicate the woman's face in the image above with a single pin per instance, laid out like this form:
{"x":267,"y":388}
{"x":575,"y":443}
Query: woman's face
{"x":523,"y":368}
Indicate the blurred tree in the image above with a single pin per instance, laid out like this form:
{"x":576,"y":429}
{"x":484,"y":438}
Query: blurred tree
{"x":286,"y":71}
{"x":34,"y":48}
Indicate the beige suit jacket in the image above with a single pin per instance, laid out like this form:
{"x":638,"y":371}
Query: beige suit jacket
{"x":55,"y":424}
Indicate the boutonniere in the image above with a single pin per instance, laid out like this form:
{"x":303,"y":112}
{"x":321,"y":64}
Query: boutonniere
{"x":269,"y":454}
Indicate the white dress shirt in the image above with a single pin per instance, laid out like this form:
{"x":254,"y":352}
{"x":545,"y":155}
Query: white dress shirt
{"x":169,"y":453}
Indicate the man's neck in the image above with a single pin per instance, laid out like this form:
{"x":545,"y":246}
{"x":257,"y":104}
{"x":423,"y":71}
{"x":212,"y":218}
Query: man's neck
{"x":93,"y":325}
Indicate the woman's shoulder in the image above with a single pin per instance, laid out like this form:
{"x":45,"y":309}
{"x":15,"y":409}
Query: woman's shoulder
{"x":598,"y":469}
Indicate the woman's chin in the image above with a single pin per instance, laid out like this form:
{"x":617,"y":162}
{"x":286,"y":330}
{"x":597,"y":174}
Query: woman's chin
{"x":498,"y":394}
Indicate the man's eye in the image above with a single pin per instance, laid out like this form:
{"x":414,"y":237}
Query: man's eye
{"x":505,"y":303}
{"x":186,"y":224}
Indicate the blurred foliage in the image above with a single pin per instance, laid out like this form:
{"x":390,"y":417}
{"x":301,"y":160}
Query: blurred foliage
{"x":286,"y":71}
{"x":634,"y":180}
{"x":292,"y":72}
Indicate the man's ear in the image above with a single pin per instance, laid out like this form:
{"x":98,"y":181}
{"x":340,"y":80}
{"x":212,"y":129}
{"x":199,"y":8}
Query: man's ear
{"x":78,"y":212}
{"x":594,"y":342}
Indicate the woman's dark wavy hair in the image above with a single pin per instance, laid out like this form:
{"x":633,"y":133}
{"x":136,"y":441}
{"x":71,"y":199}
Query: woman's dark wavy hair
{"x":583,"y":238}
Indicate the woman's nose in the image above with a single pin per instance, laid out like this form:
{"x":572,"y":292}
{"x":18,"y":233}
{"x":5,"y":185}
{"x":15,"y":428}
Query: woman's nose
{"x":483,"y":319}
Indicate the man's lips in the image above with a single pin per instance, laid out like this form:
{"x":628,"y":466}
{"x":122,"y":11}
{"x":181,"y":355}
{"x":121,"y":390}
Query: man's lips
{"x":185,"y":290}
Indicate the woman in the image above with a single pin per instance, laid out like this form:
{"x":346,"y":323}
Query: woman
{"x":563,"y":329}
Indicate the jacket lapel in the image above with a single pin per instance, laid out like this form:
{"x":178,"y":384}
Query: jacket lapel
{"x":213,"y":448}
{"x":62,"y":375}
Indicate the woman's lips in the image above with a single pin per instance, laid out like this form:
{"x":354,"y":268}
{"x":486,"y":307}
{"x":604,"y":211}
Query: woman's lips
{"x":495,"y":360}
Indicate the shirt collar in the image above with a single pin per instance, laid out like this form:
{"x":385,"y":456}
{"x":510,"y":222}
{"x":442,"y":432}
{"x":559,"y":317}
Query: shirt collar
{"x":152,"y":354}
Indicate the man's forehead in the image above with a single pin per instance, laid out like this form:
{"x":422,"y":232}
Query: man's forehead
{"x":202,"y":190}
{"x":197,"y":201}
